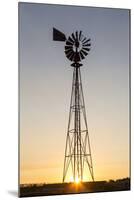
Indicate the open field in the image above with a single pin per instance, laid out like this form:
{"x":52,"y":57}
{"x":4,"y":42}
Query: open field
{"x":73,"y":188}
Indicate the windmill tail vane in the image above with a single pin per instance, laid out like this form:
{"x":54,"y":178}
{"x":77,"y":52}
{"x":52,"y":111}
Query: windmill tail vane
{"x":78,"y":155}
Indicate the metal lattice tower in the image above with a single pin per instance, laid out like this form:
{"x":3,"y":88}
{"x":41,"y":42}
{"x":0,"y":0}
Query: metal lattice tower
{"x":77,"y":150}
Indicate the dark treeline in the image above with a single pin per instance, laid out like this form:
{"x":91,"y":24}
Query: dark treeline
{"x":27,"y":190}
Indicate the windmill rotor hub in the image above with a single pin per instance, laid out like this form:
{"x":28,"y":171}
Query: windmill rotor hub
{"x":77,"y":44}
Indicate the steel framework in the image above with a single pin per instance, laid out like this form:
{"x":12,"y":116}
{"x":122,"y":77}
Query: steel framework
{"x":77,"y":150}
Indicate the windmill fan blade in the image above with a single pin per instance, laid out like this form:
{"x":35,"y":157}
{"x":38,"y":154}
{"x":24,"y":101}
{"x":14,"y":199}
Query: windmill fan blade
{"x":69,"y":53}
{"x":58,"y":35}
{"x":87,"y":45}
{"x":68,"y":48}
{"x":73,"y":36}
{"x":71,"y":56}
{"x":80,"y":35}
{"x":81,"y":54}
{"x":76,"y":35}
{"x":69,"y":43}
{"x":86,"y":41}
{"x":86,"y":49}
{"x":70,"y":40}
{"x":85,"y":53}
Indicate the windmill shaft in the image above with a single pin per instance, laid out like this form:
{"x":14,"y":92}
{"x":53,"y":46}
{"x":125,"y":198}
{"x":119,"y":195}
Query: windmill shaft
{"x":77,"y":150}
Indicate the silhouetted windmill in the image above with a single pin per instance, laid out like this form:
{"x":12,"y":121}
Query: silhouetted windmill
{"x":77,"y":150}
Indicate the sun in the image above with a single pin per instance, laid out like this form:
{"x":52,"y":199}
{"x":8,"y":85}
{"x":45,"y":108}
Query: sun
{"x":77,"y":180}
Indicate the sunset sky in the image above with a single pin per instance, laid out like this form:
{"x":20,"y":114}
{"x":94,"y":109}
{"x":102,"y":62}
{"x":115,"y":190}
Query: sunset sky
{"x":45,"y":89}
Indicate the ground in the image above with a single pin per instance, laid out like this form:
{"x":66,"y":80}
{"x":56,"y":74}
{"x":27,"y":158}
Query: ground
{"x":73,"y":188}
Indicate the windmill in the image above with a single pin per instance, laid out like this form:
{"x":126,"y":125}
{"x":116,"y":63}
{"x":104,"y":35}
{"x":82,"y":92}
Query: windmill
{"x":77,"y":149}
